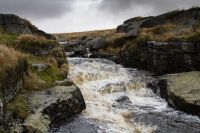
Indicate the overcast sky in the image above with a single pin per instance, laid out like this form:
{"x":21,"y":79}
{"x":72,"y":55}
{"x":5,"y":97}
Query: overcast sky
{"x":55,"y":16}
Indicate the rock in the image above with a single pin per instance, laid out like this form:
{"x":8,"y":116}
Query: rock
{"x":111,"y":88}
{"x":1,"y":113}
{"x":97,"y":43}
{"x":66,"y":82}
{"x":16,"y":25}
{"x":131,"y":26}
{"x":53,"y":106}
{"x":182,"y":91}
{"x":172,"y":57}
{"x":182,"y":16}
{"x":10,"y":85}
{"x":111,"y":57}
{"x":12,"y":81}
{"x":40,"y":67}
{"x":122,"y":99}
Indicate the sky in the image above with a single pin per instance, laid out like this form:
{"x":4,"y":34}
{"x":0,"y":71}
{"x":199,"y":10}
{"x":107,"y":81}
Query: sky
{"x":61,"y":16}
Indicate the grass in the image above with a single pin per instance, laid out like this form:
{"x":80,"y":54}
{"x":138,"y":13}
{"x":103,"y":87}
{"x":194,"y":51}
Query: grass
{"x":28,"y":42}
{"x":8,"y":39}
{"x":77,"y":35}
{"x":37,"y":80}
{"x":19,"y":107}
{"x":9,"y":57}
{"x":13,"y":48}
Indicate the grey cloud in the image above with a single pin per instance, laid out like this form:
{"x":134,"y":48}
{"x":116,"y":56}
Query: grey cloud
{"x":158,"y":6}
{"x":36,"y":8}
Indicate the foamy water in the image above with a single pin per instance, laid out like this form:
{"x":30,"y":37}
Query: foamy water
{"x":115,"y":96}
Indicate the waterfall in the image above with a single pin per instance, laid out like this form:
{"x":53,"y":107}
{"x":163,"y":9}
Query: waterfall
{"x":118,"y":101}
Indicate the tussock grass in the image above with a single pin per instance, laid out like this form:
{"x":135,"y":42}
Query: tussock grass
{"x":27,"y":42}
{"x":9,"y":57}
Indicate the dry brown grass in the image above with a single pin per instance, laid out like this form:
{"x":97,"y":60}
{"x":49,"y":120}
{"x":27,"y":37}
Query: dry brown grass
{"x":8,"y":57}
{"x":77,"y":35}
{"x":169,"y":32}
{"x":26,"y":42}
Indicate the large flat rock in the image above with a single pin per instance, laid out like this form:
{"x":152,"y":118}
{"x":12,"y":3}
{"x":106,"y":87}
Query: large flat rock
{"x":181,"y":90}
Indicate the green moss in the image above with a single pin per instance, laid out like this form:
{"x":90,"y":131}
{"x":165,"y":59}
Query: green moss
{"x":50,"y":74}
{"x":8,"y":39}
{"x":19,"y":107}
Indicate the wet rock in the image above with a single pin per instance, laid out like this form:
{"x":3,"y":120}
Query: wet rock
{"x":111,"y":88}
{"x":122,"y":99}
{"x":168,"y":122}
{"x":182,"y":91}
{"x":40,"y":67}
{"x":55,"y":105}
{"x":76,"y":125}
{"x":66,"y":82}
{"x":111,"y":57}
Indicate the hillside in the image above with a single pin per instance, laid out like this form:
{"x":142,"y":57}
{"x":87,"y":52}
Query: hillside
{"x":32,"y":61}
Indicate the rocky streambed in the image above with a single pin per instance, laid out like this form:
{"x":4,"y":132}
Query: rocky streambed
{"x":118,"y":100}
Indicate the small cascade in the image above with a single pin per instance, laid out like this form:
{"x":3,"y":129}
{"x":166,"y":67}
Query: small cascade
{"x":118,"y":101}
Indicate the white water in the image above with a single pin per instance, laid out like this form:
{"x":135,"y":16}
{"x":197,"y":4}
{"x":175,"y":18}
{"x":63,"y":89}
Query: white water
{"x":102,"y":82}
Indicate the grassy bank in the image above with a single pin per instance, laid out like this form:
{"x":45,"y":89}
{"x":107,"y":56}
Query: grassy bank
{"x":13,"y":48}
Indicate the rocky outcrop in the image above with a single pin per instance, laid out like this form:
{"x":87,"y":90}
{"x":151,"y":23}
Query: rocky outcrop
{"x":131,"y":26}
{"x":12,"y":81}
{"x":172,"y":57}
{"x":184,"y":17}
{"x":182,"y":91}
{"x":16,"y":25}
{"x":52,"y":106}
{"x":10,"y":84}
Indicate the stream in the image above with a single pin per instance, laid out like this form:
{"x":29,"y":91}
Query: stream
{"x":118,"y":101}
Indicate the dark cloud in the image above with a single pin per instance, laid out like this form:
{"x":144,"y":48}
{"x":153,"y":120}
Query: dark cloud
{"x":158,"y":6}
{"x":36,"y":8}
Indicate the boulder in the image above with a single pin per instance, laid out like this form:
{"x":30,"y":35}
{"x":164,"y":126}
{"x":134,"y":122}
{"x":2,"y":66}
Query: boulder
{"x":97,"y":43}
{"x":182,"y":91}
{"x":53,"y":106}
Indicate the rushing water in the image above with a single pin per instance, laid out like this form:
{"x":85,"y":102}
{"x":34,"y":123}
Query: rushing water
{"x":118,"y":102}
